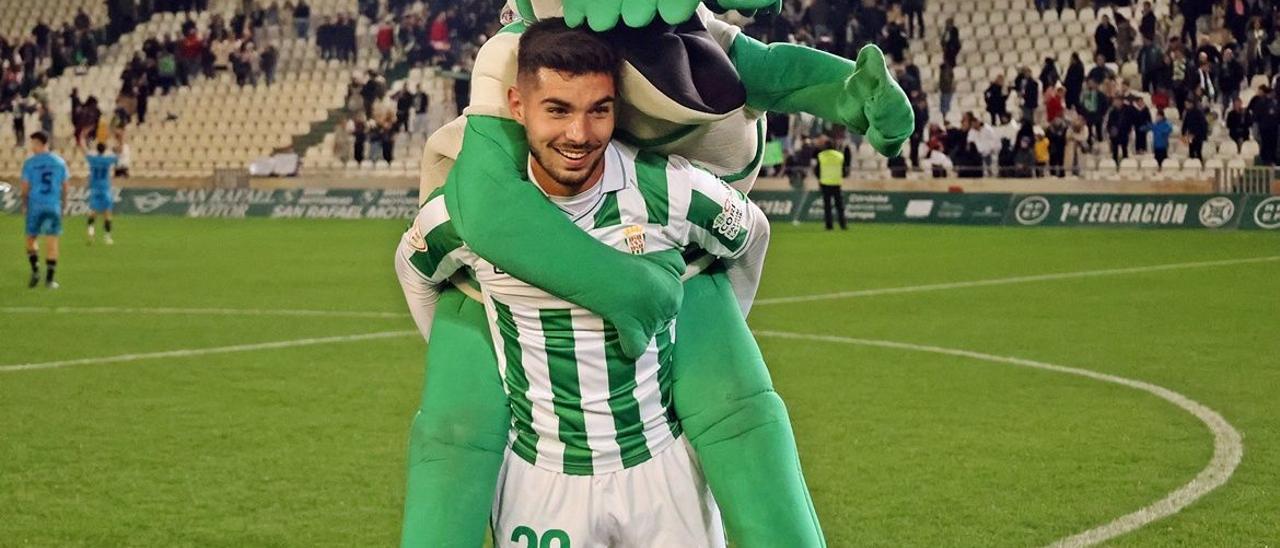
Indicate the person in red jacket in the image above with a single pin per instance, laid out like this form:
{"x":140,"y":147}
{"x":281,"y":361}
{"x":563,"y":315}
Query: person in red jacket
{"x":385,"y":41}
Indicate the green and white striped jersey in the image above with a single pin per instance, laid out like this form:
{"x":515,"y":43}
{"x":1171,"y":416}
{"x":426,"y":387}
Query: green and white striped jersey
{"x":578,"y":405}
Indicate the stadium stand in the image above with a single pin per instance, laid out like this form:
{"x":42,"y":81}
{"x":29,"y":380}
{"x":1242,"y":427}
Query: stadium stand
{"x":319,"y":105}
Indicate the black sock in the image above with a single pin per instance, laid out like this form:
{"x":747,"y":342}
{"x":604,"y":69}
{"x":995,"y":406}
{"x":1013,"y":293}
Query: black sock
{"x":50,"y":265}
{"x":90,"y":221}
{"x":35,"y":261}
{"x":106,"y":223}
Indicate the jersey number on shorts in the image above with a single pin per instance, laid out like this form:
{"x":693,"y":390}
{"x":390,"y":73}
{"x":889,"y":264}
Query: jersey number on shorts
{"x":531,"y":538}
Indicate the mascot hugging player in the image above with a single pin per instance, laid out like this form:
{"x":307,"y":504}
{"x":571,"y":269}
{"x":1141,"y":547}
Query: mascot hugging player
{"x":693,"y":86}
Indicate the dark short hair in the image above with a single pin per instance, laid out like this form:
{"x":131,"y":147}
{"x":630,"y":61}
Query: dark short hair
{"x":551,"y":44}
{"x":40,"y":136}
{"x":102,"y":148}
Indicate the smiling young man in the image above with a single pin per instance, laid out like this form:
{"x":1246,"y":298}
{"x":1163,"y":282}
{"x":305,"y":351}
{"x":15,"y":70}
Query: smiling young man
{"x":596,"y":454}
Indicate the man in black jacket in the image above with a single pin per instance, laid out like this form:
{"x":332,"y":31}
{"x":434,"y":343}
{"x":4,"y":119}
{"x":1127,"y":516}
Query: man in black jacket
{"x":1239,"y":123}
{"x":1195,"y":128}
{"x":996,"y":98}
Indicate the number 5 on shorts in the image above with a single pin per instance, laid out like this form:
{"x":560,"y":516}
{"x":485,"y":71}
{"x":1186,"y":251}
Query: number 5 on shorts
{"x":531,"y":538}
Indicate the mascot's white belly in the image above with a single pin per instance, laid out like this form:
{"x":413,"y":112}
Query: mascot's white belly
{"x":729,"y":145}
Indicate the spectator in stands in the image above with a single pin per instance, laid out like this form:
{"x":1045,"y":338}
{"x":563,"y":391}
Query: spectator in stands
{"x":1202,"y":81}
{"x":1118,"y":126}
{"x":996,"y":98}
{"x":1147,"y":25}
{"x":86,"y":122}
{"x":1195,"y":129}
{"x":440,"y":32}
{"x":359,"y":134}
{"x":1239,"y":123}
{"x":1126,"y":36}
{"x":46,"y":119}
{"x":386,"y":42}
{"x":1073,"y":82}
{"x":1160,"y":132}
{"x":1053,"y":104}
{"x":1255,"y":48}
{"x":421,"y":102}
{"x":914,"y":12}
{"x":1104,"y":40}
{"x":1140,"y":117}
{"x":372,"y":90}
{"x":1093,"y":106}
{"x":963,"y":153}
{"x":325,"y":38}
{"x":18,"y":109}
{"x":1049,"y":76}
{"x":1029,"y":91}
{"x":1150,"y":64}
{"x":946,"y":88}
{"x":82,"y":21}
{"x":190,"y":56}
{"x":1100,"y":71}
{"x":950,"y":43}
{"x":388,"y":138}
{"x":461,"y":94}
{"x":987,"y":143}
{"x":267,"y":61}
{"x":921,"y":107}
{"x":1057,"y":146}
{"x":242,"y":62}
{"x":302,"y":19}
{"x":1077,"y":145}
{"x":1265,"y":109}
{"x":404,"y":104}
{"x":894,"y":40}
{"x":1231,"y":76}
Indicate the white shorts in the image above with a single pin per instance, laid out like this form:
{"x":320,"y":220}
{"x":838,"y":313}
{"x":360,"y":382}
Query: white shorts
{"x":663,"y":502}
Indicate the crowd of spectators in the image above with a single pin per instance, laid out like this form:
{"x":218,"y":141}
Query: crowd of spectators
{"x":436,"y":33}
{"x":1199,"y":61}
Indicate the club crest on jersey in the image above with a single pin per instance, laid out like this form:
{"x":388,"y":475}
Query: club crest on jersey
{"x":635,"y":238}
{"x":416,"y":240}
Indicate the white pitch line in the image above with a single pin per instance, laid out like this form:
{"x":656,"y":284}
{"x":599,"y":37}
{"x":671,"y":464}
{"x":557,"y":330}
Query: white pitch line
{"x":201,"y":311}
{"x":186,"y":353}
{"x":1011,"y":280}
{"x":1227,"y":445}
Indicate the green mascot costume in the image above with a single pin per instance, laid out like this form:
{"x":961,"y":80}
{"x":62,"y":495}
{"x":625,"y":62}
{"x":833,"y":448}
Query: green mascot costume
{"x":691,"y":85}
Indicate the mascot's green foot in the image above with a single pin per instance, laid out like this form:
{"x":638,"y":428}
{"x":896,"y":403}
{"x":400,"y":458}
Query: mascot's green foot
{"x":886,"y":117}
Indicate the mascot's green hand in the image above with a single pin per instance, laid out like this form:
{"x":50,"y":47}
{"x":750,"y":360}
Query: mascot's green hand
{"x":748,"y":8}
{"x":885,"y":115}
{"x":603,"y":15}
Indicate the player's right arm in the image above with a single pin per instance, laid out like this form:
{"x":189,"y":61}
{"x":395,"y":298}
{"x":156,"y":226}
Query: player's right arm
{"x":428,"y":253}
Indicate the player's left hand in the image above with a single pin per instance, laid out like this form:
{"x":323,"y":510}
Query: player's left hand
{"x":603,"y":15}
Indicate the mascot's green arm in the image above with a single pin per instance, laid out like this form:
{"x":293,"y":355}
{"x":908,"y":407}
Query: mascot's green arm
{"x":861,"y":95}
{"x":510,"y":223}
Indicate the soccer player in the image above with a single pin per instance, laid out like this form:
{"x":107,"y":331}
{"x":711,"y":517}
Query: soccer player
{"x":596,"y":454}
{"x":44,"y":184}
{"x":100,"y":191}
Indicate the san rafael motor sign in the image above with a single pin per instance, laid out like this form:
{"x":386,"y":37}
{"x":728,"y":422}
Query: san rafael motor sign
{"x":1136,"y":210}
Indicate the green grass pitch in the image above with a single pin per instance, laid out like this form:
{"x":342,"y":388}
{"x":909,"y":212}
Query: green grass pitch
{"x":304,"y":446}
